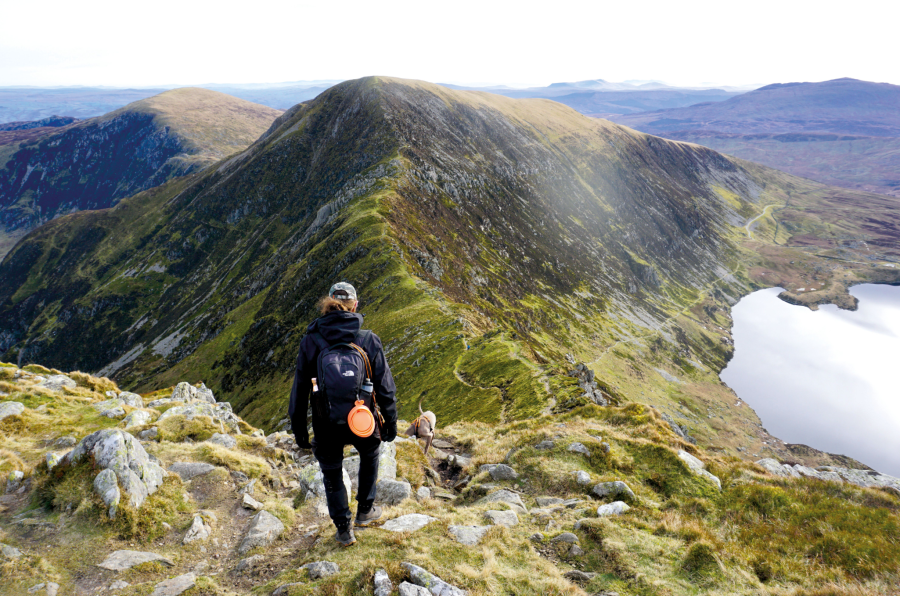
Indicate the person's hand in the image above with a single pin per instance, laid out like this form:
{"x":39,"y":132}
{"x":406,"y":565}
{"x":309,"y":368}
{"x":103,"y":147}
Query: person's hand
{"x":303,"y":441}
{"x":389,"y":432}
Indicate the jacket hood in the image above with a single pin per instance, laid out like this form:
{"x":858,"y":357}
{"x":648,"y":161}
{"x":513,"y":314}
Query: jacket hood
{"x":337,"y":326}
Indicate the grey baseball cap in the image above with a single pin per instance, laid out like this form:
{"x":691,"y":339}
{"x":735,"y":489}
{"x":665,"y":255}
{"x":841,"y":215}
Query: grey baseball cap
{"x":342,"y":291}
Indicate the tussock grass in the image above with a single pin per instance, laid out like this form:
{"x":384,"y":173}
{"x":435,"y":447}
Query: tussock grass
{"x":97,"y":384}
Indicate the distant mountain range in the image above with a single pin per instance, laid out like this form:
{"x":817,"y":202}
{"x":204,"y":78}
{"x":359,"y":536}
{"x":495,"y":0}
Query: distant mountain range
{"x":843,"y":132}
{"x":93,"y":163}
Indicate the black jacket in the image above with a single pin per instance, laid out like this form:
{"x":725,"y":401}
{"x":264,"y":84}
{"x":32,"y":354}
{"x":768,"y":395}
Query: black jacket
{"x":339,"y":327}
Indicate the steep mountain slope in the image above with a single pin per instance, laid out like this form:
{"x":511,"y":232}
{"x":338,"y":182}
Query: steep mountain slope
{"x":491,"y":241}
{"x":841,"y":106}
{"x":93,"y":163}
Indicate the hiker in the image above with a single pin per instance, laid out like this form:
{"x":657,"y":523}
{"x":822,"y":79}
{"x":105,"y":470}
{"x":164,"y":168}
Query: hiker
{"x":335,"y":357}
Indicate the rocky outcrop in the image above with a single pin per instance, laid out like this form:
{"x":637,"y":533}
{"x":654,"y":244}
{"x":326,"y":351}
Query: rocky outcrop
{"x":124,"y":466}
{"x":698,"y":467}
{"x":864,"y":478}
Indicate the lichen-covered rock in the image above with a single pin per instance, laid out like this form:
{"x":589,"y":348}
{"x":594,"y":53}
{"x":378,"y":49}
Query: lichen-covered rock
{"x":392,"y":492}
{"x":117,"y":412}
{"x":249,"y":502}
{"x":382,"y":582}
{"x":431,"y":582}
{"x":502,"y":518}
{"x":199,"y":530}
{"x":566,"y":537}
{"x":408,"y":589}
{"x":219,"y":411}
{"x":223,"y":440}
{"x":137,"y":418}
{"x":9,"y":552}
{"x":616,"y":488}
{"x":117,"y":450}
{"x":614,"y":508}
{"x":10,"y":408}
{"x":190,"y":469}
{"x":579,"y":448}
{"x":387,"y":465}
{"x":131,"y":399}
{"x":107,"y":488}
{"x":57,"y":382}
{"x":14,"y":480}
{"x":423,"y":493}
{"x":102,"y":406}
{"x":175,"y":586}
{"x":773,"y":467}
{"x":121,"y":560}
{"x":52,"y":458}
{"x":468,"y":535}
{"x":264,"y":529}
{"x":545,"y":445}
{"x":582,"y":478}
{"x":505,"y":496}
{"x":149,"y":434}
{"x":408,"y":523}
{"x":698,"y":467}
{"x":499,"y":471}
{"x":320,"y":569}
{"x":186,"y":393}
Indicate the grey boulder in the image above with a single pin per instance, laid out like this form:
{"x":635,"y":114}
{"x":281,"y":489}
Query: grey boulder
{"x":392,"y":492}
{"x":408,"y":589}
{"x":264,"y":529}
{"x":383,"y":585}
{"x":199,"y":530}
{"x":137,"y":418}
{"x":505,"y":496}
{"x":698,"y":467}
{"x":431,"y":582}
{"x":132,"y":399}
{"x":468,"y":535}
{"x":582,"y":478}
{"x":107,"y":488}
{"x":579,"y":448}
{"x":223,"y":440}
{"x":10,"y":408}
{"x":408,"y":523}
{"x":565,"y":537}
{"x":175,"y":586}
{"x":57,"y":382}
{"x":614,"y":508}
{"x":250,"y":563}
{"x":499,"y":471}
{"x":321,"y":569}
{"x":248,"y":502}
{"x":9,"y":552}
{"x":312,"y":485}
{"x":121,"y":560}
{"x":616,"y":488}
{"x":502,"y":518}
{"x":188,"y":470}
{"x":545,"y":445}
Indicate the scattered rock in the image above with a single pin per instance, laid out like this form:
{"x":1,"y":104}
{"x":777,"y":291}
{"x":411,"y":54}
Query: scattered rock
{"x":57,"y":382}
{"x":582,"y":478}
{"x":617,"y":488}
{"x":433,"y":583}
{"x":392,"y":492}
{"x":614,"y":508}
{"x":131,"y":399}
{"x":9,"y":552}
{"x":545,"y":445}
{"x":604,"y":447}
{"x":698,"y":467}
{"x":117,"y":412}
{"x":51,"y":588}
{"x":408,"y":589}
{"x":199,"y":530}
{"x":321,"y":569}
{"x":175,"y":586}
{"x":548,"y":501}
{"x":219,"y":411}
{"x":579,"y":576}
{"x":383,"y":585}
{"x":505,"y":496}
{"x":773,"y":467}
{"x":502,"y":518}
{"x":64,"y":442}
{"x":137,"y":418}
{"x":185,"y":392}
{"x":468,"y":535}
{"x":312,"y":484}
{"x":223,"y":440}
{"x":423,"y":493}
{"x":536,"y":537}
{"x":249,"y":502}
{"x":107,"y":488}
{"x":250,"y":563}
{"x":408,"y":523}
{"x":565,"y":537}
{"x":149,"y":434}
{"x":121,"y":560}
{"x":579,"y":448}
{"x":499,"y":471}
{"x":10,"y":408}
{"x":14,"y":480}
{"x":264,"y":529}
{"x":119,"y":584}
{"x":576,"y":551}
{"x":282,"y":590}
{"x":188,"y":470}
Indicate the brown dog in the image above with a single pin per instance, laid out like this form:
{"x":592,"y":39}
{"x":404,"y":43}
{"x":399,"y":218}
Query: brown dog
{"x":423,"y":427}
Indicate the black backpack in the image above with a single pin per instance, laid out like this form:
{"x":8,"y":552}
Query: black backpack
{"x":341,"y":370}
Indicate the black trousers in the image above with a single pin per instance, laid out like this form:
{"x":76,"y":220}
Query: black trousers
{"x":328,"y":448}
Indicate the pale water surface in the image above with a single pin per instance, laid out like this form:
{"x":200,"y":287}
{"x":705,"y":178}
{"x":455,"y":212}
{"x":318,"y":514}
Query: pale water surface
{"x":829,"y":378}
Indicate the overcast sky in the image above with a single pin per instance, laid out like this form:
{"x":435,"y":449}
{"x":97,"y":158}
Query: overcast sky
{"x":60,"y":42}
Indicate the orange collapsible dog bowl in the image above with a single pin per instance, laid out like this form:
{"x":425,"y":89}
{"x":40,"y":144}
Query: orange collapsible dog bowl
{"x":361,"y":420}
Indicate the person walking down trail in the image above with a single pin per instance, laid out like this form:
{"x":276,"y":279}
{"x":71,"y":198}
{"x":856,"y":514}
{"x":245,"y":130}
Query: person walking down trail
{"x":342,"y":369}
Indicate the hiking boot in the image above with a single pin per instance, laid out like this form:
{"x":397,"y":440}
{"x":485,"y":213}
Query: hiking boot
{"x":345,"y":538}
{"x":364,"y":519}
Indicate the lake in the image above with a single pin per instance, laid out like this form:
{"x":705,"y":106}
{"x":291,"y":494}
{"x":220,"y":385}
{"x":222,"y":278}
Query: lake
{"x":830,"y":378}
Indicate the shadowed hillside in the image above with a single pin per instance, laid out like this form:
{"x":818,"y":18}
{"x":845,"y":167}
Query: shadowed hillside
{"x":92,"y":164}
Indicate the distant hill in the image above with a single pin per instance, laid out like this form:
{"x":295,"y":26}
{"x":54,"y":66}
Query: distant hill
{"x":19,"y":132}
{"x":843,"y":132}
{"x":51,"y":122}
{"x":94,"y":163}
{"x":842,"y":106}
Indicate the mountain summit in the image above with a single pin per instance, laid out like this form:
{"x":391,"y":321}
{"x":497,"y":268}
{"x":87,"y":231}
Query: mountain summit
{"x":94,"y":163}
